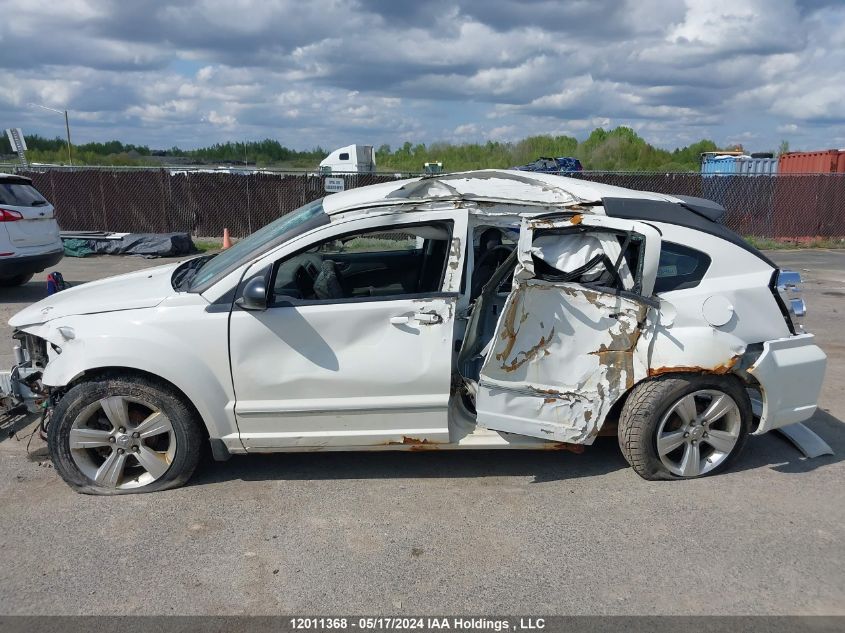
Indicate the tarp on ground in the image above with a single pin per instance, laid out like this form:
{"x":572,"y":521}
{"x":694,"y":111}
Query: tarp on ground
{"x":141,"y":244}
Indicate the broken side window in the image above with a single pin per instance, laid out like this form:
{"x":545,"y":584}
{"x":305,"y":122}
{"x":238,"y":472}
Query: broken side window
{"x":599,"y":259}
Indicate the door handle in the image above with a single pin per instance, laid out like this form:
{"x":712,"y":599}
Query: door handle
{"x":426,"y":318}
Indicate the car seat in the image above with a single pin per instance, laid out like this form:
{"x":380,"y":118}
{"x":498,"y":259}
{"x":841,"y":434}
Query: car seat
{"x":328,"y":284}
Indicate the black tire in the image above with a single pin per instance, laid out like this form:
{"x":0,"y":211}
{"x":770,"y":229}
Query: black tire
{"x":649,"y":401}
{"x":186,"y":430}
{"x":17,"y":280}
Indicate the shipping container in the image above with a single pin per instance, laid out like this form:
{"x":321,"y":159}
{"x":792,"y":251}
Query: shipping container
{"x":824,"y":162}
{"x":741,"y":165}
{"x":757,"y":166}
{"x":721,"y":176}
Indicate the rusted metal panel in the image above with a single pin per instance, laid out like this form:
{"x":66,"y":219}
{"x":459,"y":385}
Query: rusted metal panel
{"x":562,"y":356}
{"x":564,"y":353}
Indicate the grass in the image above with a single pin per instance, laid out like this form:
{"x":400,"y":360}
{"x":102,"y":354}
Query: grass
{"x":370,"y":244}
{"x":768,"y":243}
{"x":208,"y":246}
{"x":211,"y":245}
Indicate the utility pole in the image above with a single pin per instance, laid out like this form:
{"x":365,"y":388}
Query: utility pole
{"x":67,"y":129}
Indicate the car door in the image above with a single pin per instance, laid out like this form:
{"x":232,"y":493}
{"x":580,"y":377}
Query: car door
{"x":564,"y":348}
{"x":369,"y":368}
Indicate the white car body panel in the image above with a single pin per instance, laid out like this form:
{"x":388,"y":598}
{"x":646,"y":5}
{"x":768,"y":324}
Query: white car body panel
{"x":394,"y":391}
{"x":319,"y":375}
{"x":562,"y":353}
{"x":790,"y":371}
{"x":141,"y":289}
{"x":682,"y":338}
{"x":178,"y":340}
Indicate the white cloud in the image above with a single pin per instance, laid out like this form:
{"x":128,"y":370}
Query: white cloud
{"x":201,"y":71}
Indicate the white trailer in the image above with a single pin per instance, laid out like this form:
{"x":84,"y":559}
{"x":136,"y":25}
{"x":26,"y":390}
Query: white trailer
{"x":354,"y":159}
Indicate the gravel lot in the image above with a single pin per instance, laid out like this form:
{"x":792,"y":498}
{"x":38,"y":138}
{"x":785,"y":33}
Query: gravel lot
{"x":484,"y":532}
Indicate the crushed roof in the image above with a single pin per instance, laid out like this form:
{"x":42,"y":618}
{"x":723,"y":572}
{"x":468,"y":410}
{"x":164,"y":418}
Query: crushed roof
{"x":497,"y":185}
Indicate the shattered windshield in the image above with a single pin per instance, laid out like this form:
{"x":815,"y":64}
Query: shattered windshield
{"x":286,"y":227}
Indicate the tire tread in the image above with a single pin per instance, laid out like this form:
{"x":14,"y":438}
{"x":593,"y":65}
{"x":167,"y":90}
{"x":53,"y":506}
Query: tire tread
{"x":189,"y":447}
{"x":641,"y":412}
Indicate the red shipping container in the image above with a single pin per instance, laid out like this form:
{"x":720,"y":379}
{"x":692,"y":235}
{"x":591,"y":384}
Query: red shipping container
{"x":825,"y":162}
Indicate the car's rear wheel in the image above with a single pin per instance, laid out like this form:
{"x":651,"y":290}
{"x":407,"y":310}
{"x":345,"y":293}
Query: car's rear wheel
{"x":17,"y":280}
{"x":684,"y":426}
{"x":124,"y":435}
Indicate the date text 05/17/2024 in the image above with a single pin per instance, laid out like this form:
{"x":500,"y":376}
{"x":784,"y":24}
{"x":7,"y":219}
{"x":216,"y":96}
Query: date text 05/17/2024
{"x":410,"y":623}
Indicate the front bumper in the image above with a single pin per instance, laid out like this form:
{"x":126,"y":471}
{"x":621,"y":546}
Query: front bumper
{"x":790,"y":372}
{"x":28,"y":264}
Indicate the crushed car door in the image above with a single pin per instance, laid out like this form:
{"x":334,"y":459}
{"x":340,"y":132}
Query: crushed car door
{"x":564,"y":346}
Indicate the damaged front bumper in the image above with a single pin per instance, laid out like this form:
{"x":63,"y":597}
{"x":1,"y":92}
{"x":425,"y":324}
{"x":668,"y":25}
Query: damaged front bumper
{"x":21,"y":386}
{"x":790,"y":372}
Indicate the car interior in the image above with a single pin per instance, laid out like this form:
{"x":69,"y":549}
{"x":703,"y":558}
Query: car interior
{"x":383,"y":263}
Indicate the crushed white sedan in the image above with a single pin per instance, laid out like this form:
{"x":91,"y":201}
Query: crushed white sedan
{"x":478,"y":310}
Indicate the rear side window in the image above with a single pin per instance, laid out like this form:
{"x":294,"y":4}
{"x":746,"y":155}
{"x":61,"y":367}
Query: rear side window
{"x":20,"y":195}
{"x":343,"y":156}
{"x":680,"y":267}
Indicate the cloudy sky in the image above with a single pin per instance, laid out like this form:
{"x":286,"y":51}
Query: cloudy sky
{"x":193,"y":72}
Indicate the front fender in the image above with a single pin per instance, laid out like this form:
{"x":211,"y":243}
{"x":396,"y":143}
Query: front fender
{"x":191,"y":354}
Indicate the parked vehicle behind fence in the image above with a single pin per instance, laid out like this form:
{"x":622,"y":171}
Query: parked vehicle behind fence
{"x":29,"y":234}
{"x":547,"y":165}
{"x":489,"y":309}
{"x":352,"y":159}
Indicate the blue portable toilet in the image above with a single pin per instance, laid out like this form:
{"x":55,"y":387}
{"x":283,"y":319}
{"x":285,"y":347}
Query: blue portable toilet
{"x":712,"y":163}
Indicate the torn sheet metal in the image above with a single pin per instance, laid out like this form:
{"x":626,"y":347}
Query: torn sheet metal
{"x":481,"y":185}
{"x":561,"y":356}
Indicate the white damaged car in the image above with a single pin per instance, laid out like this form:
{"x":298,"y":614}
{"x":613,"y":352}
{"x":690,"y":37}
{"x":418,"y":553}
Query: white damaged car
{"x":488,"y":309}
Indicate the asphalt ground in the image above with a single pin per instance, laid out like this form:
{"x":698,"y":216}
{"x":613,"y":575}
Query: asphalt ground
{"x":441,"y":533}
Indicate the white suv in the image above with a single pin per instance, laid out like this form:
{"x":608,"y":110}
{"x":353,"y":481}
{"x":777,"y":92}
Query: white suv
{"x":29,"y":234}
{"x":489,"y":309}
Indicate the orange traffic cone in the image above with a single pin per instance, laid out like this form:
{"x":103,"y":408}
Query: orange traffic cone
{"x":227,"y":241}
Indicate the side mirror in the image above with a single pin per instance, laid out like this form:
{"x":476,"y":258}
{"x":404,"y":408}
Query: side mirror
{"x":254,"y":295}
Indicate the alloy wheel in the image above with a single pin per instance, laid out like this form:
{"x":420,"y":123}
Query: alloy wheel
{"x":698,"y":432}
{"x":122,"y":442}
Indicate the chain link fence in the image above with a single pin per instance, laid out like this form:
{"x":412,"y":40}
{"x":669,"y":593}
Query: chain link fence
{"x":785,"y":206}
{"x":204,"y":202}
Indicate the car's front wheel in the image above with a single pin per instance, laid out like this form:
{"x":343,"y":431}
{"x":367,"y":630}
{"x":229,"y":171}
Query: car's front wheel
{"x":123,"y":435}
{"x":684,"y":426}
